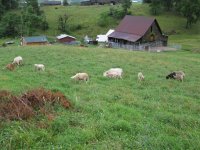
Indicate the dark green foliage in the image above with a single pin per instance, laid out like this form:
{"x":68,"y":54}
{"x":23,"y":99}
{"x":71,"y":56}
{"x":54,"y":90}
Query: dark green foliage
{"x":104,"y":20}
{"x":190,"y":10}
{"x":126,"y":4}
{"x":10,"y":24}
{"x":117,"y":13}
{"x":9,"y":4}
{"x":168,"y":4}
{"x":147,"y":1}
{"x":34,"y":4}
{"x":31,"y":18}
{"x":62,"y":23}
{"x":156,"y":7}
{"x":65,"y":3}
{"x":2,"y":10}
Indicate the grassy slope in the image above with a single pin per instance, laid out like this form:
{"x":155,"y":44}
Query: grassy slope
{"x":87,"y":17}
{"x":107,"y":114}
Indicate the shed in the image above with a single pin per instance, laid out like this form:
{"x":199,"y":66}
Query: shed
{"x":134,"y":30}
{"x":34,"y":40}
{"x":64,"y":38}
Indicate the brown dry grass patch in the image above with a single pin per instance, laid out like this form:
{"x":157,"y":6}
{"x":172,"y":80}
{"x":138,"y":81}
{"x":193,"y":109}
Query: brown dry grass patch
{"x":30,"y":103}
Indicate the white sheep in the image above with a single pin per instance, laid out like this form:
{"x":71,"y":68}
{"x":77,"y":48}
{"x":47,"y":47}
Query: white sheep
{"x":113,"y":73}
{"x":140,"y":76}
{"x":18,"y":60}
{"x":81,"y":76}
{"x":39,"y":67}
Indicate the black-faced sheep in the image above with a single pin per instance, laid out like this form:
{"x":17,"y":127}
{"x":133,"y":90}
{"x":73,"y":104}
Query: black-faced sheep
{"x":177,"y":75}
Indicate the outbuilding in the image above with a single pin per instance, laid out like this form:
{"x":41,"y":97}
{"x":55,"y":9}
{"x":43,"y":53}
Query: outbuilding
{"x":64,"y":38}
{"x":34,"y":40}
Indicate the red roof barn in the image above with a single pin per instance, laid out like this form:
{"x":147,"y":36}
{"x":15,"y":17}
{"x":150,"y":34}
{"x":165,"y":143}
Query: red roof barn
{"x":134,"y":30}
{"x":64,"y":38}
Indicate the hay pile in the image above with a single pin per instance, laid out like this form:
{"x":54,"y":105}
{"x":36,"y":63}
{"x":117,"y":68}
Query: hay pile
{"x":29,"y":104}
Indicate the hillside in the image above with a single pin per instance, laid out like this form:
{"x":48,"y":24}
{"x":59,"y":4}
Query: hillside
{"x":87,"y":19}
{"x":106,"y":113}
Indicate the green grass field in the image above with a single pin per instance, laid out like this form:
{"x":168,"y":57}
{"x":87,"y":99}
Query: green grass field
{"x":106,"y":113}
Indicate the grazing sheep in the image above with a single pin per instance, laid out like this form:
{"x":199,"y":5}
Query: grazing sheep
{"x":140,"y":76}
{"x":177,"y":75}
{"x":81,"y":76}
{"x":10,"y":67}
{"x":18,"y":60}
{"x":39,"y":67}
{"x":113,"y":73}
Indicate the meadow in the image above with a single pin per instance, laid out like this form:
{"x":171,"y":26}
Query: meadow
{"x":106,"y":113}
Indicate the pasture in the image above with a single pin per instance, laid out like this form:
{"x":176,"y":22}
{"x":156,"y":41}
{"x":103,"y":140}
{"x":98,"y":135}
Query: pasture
{"x":106,"y":113}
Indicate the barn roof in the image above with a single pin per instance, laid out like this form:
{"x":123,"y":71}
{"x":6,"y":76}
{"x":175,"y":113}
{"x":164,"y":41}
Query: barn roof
{"x":64,"y":36}
{"x":35,"y":39}
{"x":132,"y":28}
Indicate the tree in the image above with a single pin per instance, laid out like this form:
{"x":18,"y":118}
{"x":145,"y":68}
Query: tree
{"x":168,"y":4}
{"x":62,"y":23}
{"x":2,"y":9}
{"x":156,"y":7}
{"x":65,"y":2}
{"x":190,"y":10}
{"x":10,"y":4}
{"x":34,"y":4}
{"x":10,"y":25}
{"x":126,"y":4}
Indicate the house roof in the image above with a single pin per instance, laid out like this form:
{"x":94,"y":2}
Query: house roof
{"x":35,"y":39}
{"x":132,"y":28}
{"x":64,"y":36}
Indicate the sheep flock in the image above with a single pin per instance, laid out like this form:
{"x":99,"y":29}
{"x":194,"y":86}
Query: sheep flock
{"x":116,"y":73}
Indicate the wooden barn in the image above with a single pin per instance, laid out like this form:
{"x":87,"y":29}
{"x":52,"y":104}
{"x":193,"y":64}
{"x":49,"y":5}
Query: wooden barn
{"x":34,"y":40}
{"x":64,"y":38}
{"x":138,"y":32}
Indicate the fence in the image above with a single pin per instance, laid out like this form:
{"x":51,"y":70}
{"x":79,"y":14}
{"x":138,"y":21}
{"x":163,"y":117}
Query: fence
{"x":138,"y":46}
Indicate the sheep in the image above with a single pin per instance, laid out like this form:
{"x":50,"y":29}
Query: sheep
{"x":113,"y":73}
{"x":39,"y":67}
{"x":177,"y":75}
{"x":10,"y":67}
{"x":140,"y":76}
{"x":18,"y":60}
{"x":81,"y":76}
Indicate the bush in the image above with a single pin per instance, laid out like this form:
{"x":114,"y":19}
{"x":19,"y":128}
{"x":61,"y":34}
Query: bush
{"x":104,"y":20}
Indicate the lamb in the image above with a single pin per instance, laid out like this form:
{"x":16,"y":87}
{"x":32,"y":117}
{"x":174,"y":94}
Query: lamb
{"x":177,"y":75}
{"x":18,"y":60}
{"x":140,"y":76}
{"x":81,"y":76}
{"x":10,"y":67}
{"x":39,"y":67}
{"x":113,"y":73}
